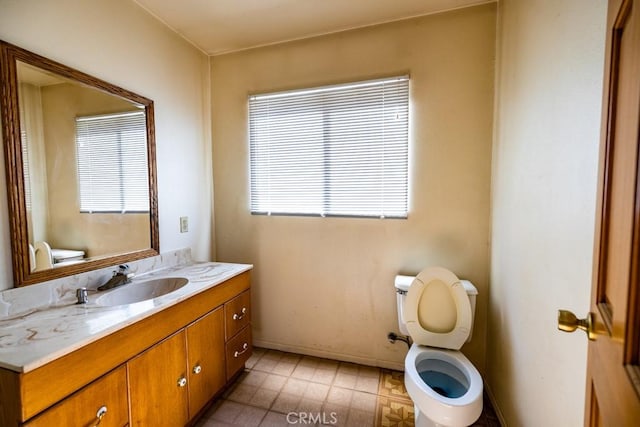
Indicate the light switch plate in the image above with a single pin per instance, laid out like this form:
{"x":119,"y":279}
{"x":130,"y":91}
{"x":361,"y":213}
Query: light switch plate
{"x":184,"y":224}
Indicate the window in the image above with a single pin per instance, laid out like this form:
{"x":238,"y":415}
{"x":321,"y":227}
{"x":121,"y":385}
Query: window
{"x":112,"y":163}
{"x":337,"y":150}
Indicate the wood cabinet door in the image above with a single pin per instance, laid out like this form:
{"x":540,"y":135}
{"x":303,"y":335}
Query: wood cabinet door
{"x":205,"y":352}
{"x":106,"y":396}
{"x":158,"y":384}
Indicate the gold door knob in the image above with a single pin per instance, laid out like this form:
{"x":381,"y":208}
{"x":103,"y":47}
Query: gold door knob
{"x":568,"y":322}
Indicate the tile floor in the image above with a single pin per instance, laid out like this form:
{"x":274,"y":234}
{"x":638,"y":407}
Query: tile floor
{"x":281,"y":389}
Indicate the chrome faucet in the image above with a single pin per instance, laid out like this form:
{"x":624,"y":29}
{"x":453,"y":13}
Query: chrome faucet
{"x":119,"y":278}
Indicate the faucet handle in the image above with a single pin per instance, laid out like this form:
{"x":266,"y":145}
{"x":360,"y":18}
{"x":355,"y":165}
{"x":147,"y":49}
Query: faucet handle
{"x":122,"y":269}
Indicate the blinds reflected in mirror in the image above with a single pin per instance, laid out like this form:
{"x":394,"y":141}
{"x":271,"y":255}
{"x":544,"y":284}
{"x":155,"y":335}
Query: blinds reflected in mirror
{"x":24,"y":143}
{"x":112,"y":163}
{"x":338,"y":150}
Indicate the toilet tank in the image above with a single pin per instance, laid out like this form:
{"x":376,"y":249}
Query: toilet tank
{"x":402,"y":284}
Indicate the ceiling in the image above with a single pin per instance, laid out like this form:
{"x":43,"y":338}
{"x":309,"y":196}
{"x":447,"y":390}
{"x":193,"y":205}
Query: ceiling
{"x":221,"y":26}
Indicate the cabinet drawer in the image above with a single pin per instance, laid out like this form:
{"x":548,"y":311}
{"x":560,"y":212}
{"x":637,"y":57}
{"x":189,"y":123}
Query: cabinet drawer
{"x":81,"y":409}
{"x":238,"y":349}
{"x":237,"y":314}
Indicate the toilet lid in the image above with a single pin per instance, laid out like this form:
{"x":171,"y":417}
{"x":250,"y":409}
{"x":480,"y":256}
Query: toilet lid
{"x":437,"y":309}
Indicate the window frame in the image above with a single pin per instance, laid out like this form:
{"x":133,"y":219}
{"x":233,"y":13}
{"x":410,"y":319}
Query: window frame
{"x":326,"y":142}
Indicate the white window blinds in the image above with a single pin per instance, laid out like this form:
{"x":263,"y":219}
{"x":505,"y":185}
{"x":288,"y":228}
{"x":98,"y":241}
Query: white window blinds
{"x":26,"y":174}
{"x":337,"y":150}
{"x":112,"y":163}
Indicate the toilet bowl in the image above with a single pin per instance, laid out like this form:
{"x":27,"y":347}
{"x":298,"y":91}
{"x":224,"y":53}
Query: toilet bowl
{"x":444,"y":385}
{"x":437,"y":309}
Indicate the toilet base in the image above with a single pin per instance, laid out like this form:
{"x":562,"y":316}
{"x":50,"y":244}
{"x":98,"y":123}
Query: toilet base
{"x":421,"y":420}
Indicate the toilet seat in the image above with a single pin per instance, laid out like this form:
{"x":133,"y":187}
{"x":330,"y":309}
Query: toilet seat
{"x":456,"y":337}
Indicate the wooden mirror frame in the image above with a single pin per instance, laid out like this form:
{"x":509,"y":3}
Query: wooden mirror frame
{"x":9,"y":114}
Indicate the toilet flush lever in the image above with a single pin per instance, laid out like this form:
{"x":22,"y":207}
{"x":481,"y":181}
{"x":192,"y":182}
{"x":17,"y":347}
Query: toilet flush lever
{"x":568,"y":322}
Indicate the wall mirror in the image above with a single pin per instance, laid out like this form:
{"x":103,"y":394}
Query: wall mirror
{"x":80,"y":169}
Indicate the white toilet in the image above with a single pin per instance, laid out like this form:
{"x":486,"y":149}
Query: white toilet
{"x":436,"y":309}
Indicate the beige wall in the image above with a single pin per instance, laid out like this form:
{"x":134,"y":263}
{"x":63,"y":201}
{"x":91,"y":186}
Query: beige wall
{"x":68,"y":228}
{"x":543,"y":205}
{"x":324,"y":286}
{"x":119,"y":42}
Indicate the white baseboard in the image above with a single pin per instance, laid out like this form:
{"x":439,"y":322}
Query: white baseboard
{"x":398,"y":366}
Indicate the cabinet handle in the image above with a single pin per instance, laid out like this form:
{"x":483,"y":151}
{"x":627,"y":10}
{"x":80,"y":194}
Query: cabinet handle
{"x":237,"y":316}
{"x":245,"y":347}
{"x":197,"y":369}
{"x":100,"y":414}
{"x":182,"y":382}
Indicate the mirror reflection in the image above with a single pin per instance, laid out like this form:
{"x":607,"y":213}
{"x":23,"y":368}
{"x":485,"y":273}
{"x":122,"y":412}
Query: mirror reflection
{"x":86,"y":185}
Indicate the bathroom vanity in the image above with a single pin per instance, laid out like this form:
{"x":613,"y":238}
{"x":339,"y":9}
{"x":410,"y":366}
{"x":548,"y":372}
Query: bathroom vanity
{"x":143,"y":354}
{"x":156,"y":362}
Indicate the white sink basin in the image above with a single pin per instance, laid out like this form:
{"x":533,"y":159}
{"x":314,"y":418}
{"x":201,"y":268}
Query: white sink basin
{"x":141,"y":291}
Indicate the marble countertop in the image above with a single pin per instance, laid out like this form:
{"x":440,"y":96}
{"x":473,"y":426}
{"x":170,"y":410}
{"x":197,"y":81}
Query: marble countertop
{"x":36,"y":337}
